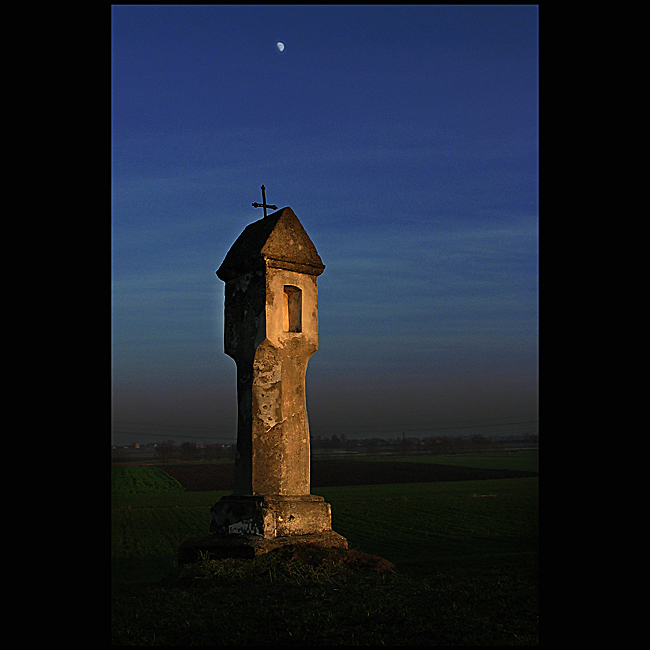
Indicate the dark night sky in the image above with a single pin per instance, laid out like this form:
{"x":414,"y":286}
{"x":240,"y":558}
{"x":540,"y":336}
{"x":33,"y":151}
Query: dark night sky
{"x":405,"y":138}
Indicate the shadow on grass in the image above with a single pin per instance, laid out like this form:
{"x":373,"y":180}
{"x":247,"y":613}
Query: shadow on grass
{"x":315,"y":597}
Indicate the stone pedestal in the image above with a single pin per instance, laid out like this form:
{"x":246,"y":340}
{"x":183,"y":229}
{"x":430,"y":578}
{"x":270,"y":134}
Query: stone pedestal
{"x":270,"y":516}
{"x":245,"y":526}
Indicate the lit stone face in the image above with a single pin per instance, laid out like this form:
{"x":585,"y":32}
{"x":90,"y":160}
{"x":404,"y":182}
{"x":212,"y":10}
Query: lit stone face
{"x":271,"y":331}
{"x":279,"y":422}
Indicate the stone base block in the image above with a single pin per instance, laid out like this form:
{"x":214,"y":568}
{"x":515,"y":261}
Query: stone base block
{"x":270,"y":516}
{"x":246,"y":526}
{"x":217,"y":546}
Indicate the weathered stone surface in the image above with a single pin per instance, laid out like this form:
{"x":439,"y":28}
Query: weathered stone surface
{"x":271,"y":331}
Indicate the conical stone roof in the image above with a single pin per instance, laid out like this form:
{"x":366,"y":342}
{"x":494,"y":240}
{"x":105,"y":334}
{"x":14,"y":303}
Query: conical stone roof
{"x":278,"y":240}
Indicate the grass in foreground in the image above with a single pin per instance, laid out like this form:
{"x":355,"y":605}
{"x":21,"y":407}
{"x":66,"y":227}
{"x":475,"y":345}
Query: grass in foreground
{"x":466,"y":557}
{"x":315,"y":597}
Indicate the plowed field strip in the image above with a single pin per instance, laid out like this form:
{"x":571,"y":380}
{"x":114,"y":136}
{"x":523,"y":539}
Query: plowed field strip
{"x":211,"y":477}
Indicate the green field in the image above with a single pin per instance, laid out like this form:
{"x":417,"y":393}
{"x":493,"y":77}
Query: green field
{"x":132,"y":480}
{"x":466,"y":556}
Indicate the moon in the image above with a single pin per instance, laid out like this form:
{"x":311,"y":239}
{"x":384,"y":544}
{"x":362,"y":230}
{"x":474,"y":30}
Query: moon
{"x":280,"y":46}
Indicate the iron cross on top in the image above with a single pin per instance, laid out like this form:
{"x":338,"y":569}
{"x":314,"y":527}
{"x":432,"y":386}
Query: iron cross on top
{"x":264,"y":204}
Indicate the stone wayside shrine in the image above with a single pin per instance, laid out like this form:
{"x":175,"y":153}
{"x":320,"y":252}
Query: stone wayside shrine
{"x":271,"y":331}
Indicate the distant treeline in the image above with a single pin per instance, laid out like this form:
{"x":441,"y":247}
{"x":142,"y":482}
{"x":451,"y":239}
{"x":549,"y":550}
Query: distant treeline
{"x":169,"y":450}
{"x":428,"y":445}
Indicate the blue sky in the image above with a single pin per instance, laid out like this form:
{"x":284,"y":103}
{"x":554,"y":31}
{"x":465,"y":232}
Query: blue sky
{"x":405,"y":138}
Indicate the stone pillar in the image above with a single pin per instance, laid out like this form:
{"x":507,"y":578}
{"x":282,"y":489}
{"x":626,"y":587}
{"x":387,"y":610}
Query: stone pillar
{"x":271,"y":331}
